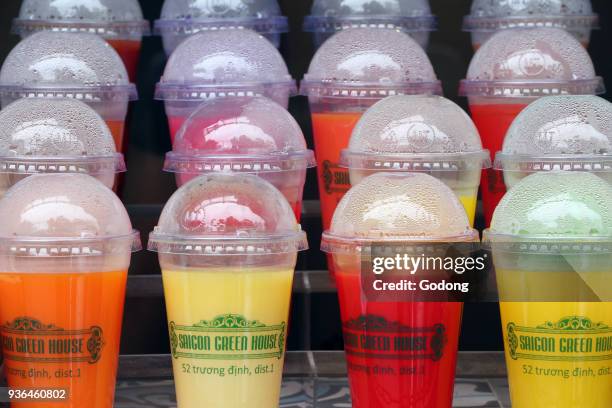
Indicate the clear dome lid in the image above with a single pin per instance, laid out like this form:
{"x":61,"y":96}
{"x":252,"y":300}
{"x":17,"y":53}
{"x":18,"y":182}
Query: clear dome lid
{"x":250,"y":134}
{"x":56,"y":136}
{"x":336,"y":15}
{"x":397,"y":207}
{"x":571,"y":133}
{"x":64,"y":215}
{"x":224,"y":63}
{"x":227,"y":214}
{"x":370,"y":63}
{"x":76,"y":66}
{"x":488,"y":16}
{"x":108,"y":18}
{"x":531,"y":62}
{"x":415,"y":133}
{"x":188,"y":17}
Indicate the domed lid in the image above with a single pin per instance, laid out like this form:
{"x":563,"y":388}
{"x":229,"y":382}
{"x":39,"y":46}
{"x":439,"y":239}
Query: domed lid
{"x":335,"y":15}
{"x":109,"y":18}
{"x":415,"y":132}
{"x":187,"y":17}
{"x":370,"y":62}
{"x":560,"y":133}
{"x":250,"y":134}
{"x":76,"y":66}
{"x":56,"y":136}
{"x":397,"y":207}
{"x":64,"y":215}
{"x":227,"y":214}
{"x":531,"y":62}
{"x":223,"y":63}
{"x":487,"y":15}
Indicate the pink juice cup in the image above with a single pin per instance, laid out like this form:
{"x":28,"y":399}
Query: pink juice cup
{"x":74,"y":66}
{"x":243,"y":135}
{"x":182,"y":18}
{"x":489,"y":16}
{"x":411,"y":16}
{"x":120,"y":22}
{"x":511,"y":70}
{"x":214,"y":64}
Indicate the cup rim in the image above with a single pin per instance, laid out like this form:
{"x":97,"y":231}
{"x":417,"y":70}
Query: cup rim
{"x":318,"y":87}
{"x":330,"y":24}
{"x":415,"y":161}
{"x":592,"y":163}
{"x":547,"y":244}
{"x":84,"y":93}
{"x":261,"y":25}
{"x":93,"y":165}
{"x":488,"y":24}
{"x":108,"y":29}
{"x":531,"y":88}
{"x":190,"y":91}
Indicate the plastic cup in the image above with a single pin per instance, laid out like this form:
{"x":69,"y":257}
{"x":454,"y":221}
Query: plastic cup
{"x":551,"y":237}
{"x":411,"y":16}
{"x":120,"y":22}
{"x":425,"y":134}
{"x":244,"y":135}
{"x":215,"y":64}
{"x":55,"y":136}
{"x":227,"y":246}
{"x":74,"y":66}
{"x":65,"y":247}
{"x":511,"y":70}
{"x":570,"y":133}
{"x":396,"y":209}
{"x":487,"y":17}
{"x":182,"y":18}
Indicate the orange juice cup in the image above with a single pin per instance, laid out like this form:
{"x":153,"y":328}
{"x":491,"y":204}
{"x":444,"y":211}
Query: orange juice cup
{"x":75,"y":66}
{"x":244,"y":135}
{"x":64,"y":254}
{"x":511,"y":70}
{"x":214,"y":64}
{"x":180,"y":19}
{"x":120,"y":22}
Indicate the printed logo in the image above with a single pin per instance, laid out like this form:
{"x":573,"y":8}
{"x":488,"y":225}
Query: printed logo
{"x":227,"y":337}
{"x":335,"y":178}
{"x":29,"y":340}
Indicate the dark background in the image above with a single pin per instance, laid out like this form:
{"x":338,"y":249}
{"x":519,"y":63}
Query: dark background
{"x":315,"y":316}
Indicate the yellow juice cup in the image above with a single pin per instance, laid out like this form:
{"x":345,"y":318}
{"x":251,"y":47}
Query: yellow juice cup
{"x":227,"y":247}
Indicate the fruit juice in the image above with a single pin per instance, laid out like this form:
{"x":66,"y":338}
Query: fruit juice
{"x":470,"y":203}
{"x":175,"y":123}
{"x":228,"y":334}
{"x":558,"y":354}
{"x":129,"y":51}
{"x":493,"y":121}
{"x":117,"y":128}
{"x":399,"y":354}
{"x":71,"y":325}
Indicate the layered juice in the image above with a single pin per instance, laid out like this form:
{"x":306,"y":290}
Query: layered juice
{"x":62,"y":331}
{"x":129,"y":51}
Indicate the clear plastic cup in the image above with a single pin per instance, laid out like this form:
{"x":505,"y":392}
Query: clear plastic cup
{"x":511,"y":70}
{"x":407,"y":210}
{"x":419,"y":133}
{"x":352,"y":71}
{"x":330,"y":16}
{"x":74,"y":66}
{"x":65,"y":247}
{"x":120,"y":22}
{"x":182,"y":18}
{"x":487,"y":17}
{"x":245,"y":135}
{"x":551,"y":238}
{"x":227,"y":246}
{"x":214,"y":64}
{"x":568,"y":133}
{"x":55,"y":136}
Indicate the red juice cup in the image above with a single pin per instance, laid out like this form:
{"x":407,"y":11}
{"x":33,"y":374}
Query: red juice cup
{"x":55,"y":136}
{"x":511,"y":70}
{"x":411,"y":16}
{"x":419,"y":133}
{"x":73,"y":66}
{"x":352,"y":71}
{"x":215,"y":64}
{"x":490,"y":16}
{"x":120,"y":22}
{"x":180,"y":19}
{"x":252,"y":135}
{"x":400,"y":353}
{"x":559,"y":133}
